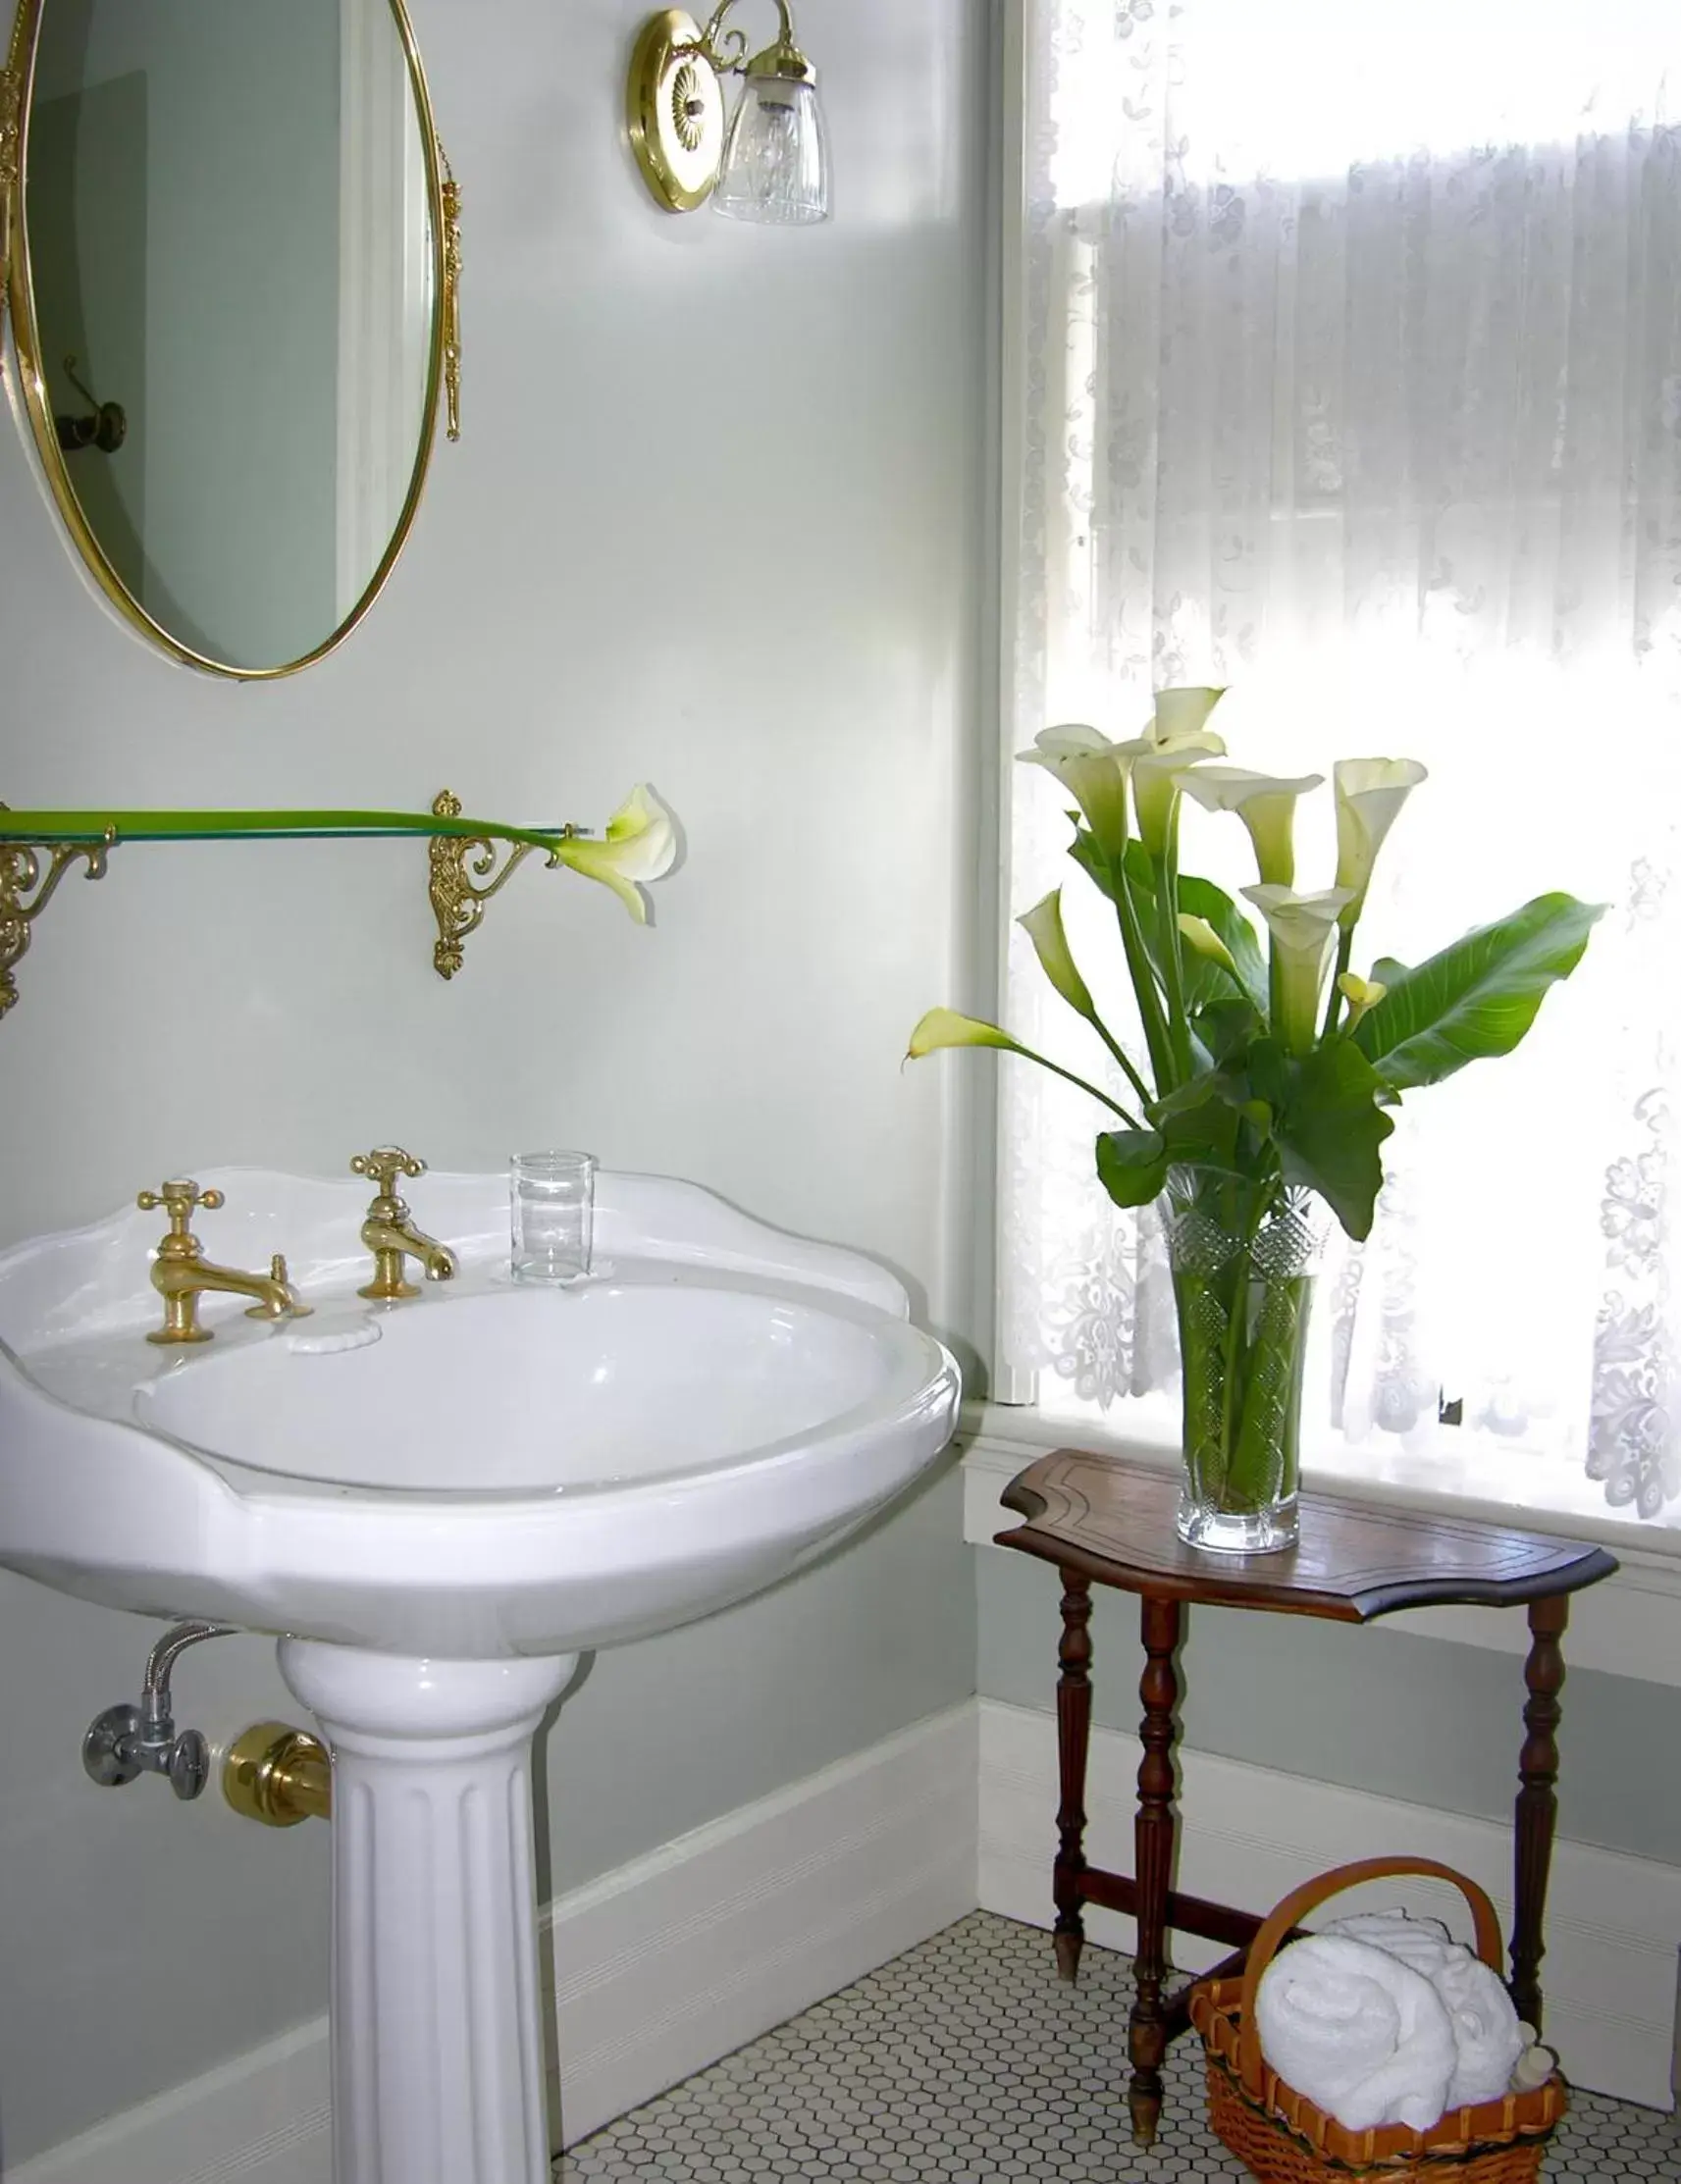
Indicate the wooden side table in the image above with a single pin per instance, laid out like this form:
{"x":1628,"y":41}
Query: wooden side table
{"x":1105,"y":1522}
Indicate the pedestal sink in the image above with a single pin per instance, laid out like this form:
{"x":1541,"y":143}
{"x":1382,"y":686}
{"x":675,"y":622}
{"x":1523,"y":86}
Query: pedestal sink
{"x":437,"y":1505}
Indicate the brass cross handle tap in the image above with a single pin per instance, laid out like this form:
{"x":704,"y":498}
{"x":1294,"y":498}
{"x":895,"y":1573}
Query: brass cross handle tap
{"x":384,"y":1164}
{"x":180,"y":1198}
{"x":389,"y":1231}
{"x":182,"y":1274}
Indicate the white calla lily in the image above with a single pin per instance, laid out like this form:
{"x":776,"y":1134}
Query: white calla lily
{"x":1361,"y":995}
{"x":1183,"y":712}
{"x":1266,"y":804}
{"x":1043,"y":927}
{"x":945,"y":1027}
{"x":639,"y":845}
{"x":1303,"y":928}
{"x":1089,"y":768}
{"x":1177,"y":738}
{"x":1201,"y":936}
{"x":1370,"y":793}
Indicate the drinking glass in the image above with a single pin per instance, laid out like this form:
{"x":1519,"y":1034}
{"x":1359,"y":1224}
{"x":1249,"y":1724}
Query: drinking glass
{"x":552,"y":1202}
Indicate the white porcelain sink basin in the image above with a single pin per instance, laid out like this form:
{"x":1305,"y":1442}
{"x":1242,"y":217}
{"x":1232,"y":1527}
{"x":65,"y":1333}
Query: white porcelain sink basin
{"x":439,"y":1503}
{"x":483,"y":1470}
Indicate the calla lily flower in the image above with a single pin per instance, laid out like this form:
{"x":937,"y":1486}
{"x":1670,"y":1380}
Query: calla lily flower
{"x":1266,"y":804}
{"x":1370,"y":793}
{"x":944,"y":1027}
{"x":1201,"y":936}
{"x":1089,"y":768}
{"x":640,"y":845}
{"x":1361,"y":995}
{"x":1177,"y":738}
{"x":1303,"y":928}
{"x":1043,"y":927}
{"x":1183,"y":712}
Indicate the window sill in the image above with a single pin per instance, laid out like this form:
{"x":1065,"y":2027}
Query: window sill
{"x":1628,"y":1625}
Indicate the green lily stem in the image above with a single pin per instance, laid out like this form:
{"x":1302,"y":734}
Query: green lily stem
{"x":1234,"y":1328}
{"x":1334,"y":1006}
{"x":1056,"y":1069}
{"x":1126,"y":1061}
{"x":1171,"y":942}
{"x":1144,"y":978}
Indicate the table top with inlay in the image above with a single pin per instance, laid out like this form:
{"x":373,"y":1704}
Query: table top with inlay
{"x":1113,"y":1522}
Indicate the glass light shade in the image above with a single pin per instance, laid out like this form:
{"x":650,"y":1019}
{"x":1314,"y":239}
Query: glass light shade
{"x":776,"y":156}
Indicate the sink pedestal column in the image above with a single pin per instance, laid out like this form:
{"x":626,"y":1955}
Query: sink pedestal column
{"x":438,"y":2074}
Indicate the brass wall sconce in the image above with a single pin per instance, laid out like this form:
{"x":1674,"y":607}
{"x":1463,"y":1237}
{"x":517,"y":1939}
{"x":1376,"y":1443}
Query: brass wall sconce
{"x":770,"y":162}
{"x":105,"y":426}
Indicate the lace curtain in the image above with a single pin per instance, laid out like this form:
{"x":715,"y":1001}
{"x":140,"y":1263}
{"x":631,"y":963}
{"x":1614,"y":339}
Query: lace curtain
{"x":1348,"y":375}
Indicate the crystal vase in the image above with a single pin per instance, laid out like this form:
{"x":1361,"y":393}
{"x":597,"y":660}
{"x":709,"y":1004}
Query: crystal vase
{"x":1242,"y":1256}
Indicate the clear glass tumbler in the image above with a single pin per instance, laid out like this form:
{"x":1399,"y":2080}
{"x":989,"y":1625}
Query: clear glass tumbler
{"x":552,"y":1206}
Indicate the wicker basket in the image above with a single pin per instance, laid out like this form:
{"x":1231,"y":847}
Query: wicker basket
{"x":1284,"y":2138}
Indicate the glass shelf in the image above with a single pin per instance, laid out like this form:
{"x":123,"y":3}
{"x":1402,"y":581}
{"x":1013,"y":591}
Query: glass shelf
{"x":38,"y":848}
{"x":111,"y":827}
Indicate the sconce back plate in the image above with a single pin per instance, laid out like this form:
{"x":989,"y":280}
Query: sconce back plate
{"x":674,"y":110}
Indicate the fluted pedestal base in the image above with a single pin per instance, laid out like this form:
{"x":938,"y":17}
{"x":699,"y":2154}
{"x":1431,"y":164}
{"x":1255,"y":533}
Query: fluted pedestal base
{"x":437,"y":2027}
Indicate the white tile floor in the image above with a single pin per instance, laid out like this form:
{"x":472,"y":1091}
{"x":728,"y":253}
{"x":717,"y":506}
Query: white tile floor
{"x":969,"y":2058}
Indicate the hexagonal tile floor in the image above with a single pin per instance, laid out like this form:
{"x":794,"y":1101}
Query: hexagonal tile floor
{"x":969,"y":2058}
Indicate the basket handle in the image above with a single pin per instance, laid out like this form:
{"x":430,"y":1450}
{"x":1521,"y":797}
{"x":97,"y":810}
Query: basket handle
{"x":1311,"y":1893}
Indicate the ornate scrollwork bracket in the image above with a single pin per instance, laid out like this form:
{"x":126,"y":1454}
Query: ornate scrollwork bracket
{"x":452,"y":303}
{"x":464,"y":877}
{"x":30,"y":873}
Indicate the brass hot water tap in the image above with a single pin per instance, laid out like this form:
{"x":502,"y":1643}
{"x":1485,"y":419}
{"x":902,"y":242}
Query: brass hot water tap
{"x":180,"y":1273}
{"x":389,"y":1231}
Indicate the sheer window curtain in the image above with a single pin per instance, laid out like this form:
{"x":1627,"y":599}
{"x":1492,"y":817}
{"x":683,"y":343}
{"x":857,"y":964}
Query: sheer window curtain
{"x":1347,"y":373}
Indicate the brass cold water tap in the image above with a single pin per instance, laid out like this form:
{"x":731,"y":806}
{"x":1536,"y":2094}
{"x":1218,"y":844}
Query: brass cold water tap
{"x":180,"y":1273}
{"x":389,"y":1231}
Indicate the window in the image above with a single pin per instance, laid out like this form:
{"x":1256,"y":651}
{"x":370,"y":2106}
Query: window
{"x":1348,"y":375}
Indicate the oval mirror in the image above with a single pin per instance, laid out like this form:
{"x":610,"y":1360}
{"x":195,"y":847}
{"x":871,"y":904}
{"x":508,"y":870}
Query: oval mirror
{"x":231,"y":292}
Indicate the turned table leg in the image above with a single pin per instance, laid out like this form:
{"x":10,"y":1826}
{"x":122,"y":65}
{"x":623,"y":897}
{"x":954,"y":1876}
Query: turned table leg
{"x":1537,"y":1806}
{"x":1074,"y":1737}
{"x":1153,"y":1858}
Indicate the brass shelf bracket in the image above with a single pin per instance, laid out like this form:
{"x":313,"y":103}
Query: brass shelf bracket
{"x":30,"y":873}
{"x":464,"y":877}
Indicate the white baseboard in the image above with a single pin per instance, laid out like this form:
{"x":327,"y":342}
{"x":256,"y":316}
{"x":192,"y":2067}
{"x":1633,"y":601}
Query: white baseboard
{"x":675,"y":1960}
{"x":663,"y":1966}
{"x":1249,"y":1836}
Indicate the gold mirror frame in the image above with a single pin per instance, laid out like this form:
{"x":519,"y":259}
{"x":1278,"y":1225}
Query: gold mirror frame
{"x":17,"y":292}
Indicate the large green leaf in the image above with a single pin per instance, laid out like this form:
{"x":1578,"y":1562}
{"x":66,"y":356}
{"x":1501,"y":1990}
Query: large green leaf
{"x":1204,"y":981}
{"x":1477,"y":998}
{"x":1132,"y":1165}
{"x":1328,"y":1128}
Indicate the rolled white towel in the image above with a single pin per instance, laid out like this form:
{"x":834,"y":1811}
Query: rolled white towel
{"x":1422,"y":1943}
{"x":1358,"y":2032}
{"x":1485,"y":2031}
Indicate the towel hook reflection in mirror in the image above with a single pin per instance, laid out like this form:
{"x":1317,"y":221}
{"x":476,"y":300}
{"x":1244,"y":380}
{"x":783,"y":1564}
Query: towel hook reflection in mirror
{"x":106,"y":426}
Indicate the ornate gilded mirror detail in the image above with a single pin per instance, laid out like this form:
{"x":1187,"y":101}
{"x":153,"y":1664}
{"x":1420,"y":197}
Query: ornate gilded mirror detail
{"x":239,"y":232}
{"x":451,"y":327}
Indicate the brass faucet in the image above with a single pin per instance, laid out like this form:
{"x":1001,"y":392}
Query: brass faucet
{"x":180,"y":1273}
{"x":389,"y":1231}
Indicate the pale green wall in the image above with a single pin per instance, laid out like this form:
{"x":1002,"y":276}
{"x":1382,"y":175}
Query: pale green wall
{"x":579,"y":606}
